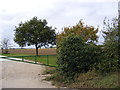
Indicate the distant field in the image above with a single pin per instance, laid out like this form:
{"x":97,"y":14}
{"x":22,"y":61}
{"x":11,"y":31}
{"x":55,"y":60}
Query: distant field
{"x":44,"y":59}
{"x":46,"y":51}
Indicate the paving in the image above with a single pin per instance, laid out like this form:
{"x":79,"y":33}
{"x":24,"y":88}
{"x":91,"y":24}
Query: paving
{"x":15,"y":74}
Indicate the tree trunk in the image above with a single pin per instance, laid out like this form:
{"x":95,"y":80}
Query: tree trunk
{"x":36,"y":50}
{"x":2,"y":50}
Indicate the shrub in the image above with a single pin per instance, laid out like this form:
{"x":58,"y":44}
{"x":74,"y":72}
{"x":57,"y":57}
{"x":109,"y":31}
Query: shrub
{"x":75,"y":56}
{"x":69,"y":52}
{"x":107,"y":64}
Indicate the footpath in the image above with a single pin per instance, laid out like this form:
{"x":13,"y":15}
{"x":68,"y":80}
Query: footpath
{"x":15,"y":74}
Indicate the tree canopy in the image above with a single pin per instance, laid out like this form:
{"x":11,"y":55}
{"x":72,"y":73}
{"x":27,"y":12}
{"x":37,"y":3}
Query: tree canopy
{"x":87,"y":33}
{"x":34,"y":32}
{"x":110,"y":46}
{"x":111,"y":36}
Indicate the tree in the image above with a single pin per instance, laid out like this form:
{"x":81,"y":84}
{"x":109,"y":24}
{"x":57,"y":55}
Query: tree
{"x":111,"y":36}
{"x":87,"y":33}
{"x":5,"y":44}
{"x":34,"y":32}
{"x":110,"y":31}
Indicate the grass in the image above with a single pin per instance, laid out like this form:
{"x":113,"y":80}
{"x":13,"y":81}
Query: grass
{"x":14,"y":54}
{"x":44,"y":59}
{"x":51,"y":60}
{"x":109,"y":81}
{"x":90,"y":79}
{"x":94,"y":80}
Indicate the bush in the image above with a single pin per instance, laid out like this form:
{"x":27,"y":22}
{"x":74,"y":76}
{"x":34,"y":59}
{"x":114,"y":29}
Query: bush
{"x":107,"y":64}
{"x":92,"y":56}
{"x":75,"y":56}
{"x":69,"y":52}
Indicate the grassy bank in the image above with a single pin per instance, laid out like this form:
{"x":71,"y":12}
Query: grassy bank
{"x":50,"y":59}
{"x":90,"y":79}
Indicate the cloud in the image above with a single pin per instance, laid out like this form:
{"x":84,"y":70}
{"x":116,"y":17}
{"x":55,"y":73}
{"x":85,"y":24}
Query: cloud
{"x":93,"y":13}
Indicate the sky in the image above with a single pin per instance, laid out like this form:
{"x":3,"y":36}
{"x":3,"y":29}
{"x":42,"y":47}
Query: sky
{"x":58,"y":13}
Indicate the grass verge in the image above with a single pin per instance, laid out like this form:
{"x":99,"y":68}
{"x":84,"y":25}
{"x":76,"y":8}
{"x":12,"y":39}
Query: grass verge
{"x":85,"y":80}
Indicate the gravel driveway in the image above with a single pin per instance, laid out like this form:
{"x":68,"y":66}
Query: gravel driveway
{"x":15,"y":74}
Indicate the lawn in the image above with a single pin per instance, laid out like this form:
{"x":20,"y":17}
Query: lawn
{"x":43,"y":59}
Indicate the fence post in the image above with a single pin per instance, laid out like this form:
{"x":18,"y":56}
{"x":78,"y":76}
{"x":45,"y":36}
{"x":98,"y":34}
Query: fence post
{"x":35,"y":60}
{"x":22,"y":59}
{"x":47,"y":60}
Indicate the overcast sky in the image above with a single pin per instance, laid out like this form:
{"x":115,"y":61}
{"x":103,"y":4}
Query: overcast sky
{"x":58,"y":13}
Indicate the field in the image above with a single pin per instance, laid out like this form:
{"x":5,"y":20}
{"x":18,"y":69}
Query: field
{"x":45,"y":51}
{"x":43,"y":59}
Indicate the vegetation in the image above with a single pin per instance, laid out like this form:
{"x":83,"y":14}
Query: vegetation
{"x":75,"y":56}
{"x":14,"y":54}
{"x":85,"y":64}
{"x":110,"y":49}
{"x":5,"y":45}
{"x":34,"y":32}
{"x":87,"y":33}
{"x":91,"y":79}
{"x":81,"y":63}
{"x":94,"y":80}
{"x":52,"y":59}
{"x":69,"y":58}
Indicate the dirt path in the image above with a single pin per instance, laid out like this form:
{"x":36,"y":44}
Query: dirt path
{"x":22,"y":75}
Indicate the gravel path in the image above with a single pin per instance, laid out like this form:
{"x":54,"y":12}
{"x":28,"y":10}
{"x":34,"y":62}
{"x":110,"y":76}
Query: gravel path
{"x":15,"y":74}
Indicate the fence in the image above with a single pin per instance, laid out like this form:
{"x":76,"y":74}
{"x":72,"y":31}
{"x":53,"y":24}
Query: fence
{"x":0,"y":50}
{"x":48,"y":60}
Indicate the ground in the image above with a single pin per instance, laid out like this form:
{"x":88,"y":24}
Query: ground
{"x":0,"y":74}
{"x":15,"y":74}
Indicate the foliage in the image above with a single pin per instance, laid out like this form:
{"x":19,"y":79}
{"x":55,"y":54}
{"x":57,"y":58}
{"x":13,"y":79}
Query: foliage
{"x":75,"y":56}
{"x":109,"y":50}
{"x":87,"y":33}
{"x":110,"y":31}
{"x":111,"y":43}
{"x":68,"y":56}
{"x":78,"y":60}
{"x":34,"y":32}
